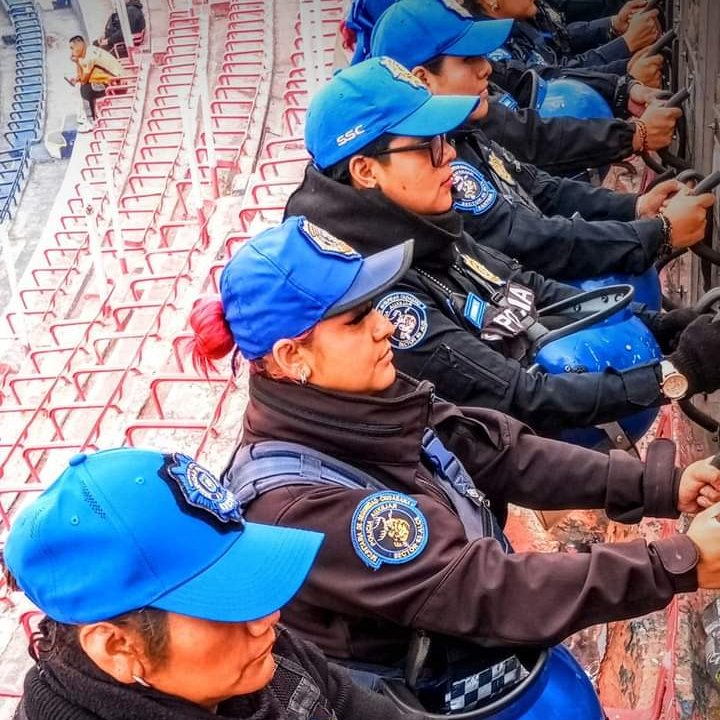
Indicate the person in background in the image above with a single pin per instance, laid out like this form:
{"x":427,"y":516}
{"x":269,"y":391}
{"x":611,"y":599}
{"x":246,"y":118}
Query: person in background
{"x":95,"y":68}
{"x":162,"y":601}
{"x":112,"y":38}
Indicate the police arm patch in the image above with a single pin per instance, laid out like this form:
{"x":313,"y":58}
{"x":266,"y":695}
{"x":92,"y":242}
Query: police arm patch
{"x":388,"y":528}
{"x":472,"y":192}
{"x":408,"y":315}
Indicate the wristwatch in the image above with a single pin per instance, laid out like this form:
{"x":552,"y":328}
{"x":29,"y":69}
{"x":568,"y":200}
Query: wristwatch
{"x":674,"y":384}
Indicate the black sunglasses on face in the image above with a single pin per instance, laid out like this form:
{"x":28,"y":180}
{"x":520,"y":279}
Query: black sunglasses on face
{"x":436,"y":146}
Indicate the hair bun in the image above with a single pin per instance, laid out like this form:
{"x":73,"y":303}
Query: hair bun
{"x":212,"y":338}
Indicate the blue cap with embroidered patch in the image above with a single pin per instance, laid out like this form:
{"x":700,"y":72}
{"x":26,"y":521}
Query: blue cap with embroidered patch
{"x":290,"y":277}
{"x":415,"y":31}
{"x":377,"y":96}
{"x":125,"y":529}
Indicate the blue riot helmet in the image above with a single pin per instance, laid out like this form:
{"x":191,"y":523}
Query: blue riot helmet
{"x":647,"y":286}
{"x":566,"y":97}
{"x":556,"y":687}
{"x":595,"y":331}
{"x":361,"y":20}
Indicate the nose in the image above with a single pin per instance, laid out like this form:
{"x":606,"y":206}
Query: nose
{"x":449,"y":152}
{"x":484,"y":69}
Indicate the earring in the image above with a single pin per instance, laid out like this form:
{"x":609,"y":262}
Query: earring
{"x":495,"y":5}
{"x":141,"y":681}
{"x":303,"y":375}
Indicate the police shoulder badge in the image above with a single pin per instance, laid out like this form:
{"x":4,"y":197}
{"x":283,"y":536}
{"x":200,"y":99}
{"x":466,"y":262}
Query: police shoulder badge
{"x":202,"y":489}
{"x":472,"y":192}
{"x":457,"y":8}
{"x":500,"y":169}
{"x":400,"y":72}
{"x":325,"y":241}
{"x":474,"y":265}
{"x":388,"y":527}
{"x":408,"y":315}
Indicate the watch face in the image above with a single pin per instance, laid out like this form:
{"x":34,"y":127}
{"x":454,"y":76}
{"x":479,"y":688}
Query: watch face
{"x":675,"y":386}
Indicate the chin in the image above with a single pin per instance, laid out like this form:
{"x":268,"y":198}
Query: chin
{"x":386,"y":379}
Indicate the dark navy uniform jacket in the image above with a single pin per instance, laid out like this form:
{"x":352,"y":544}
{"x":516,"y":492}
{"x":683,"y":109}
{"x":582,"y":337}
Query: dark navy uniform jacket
{"x":556,"y":226}
{"x":576,"y":10}
{"x":559,"y":145}
{"x":438,"y":345}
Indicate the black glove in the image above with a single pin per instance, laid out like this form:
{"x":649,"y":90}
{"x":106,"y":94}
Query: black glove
{"x":667,"y":327}
{"x":698,"y":355}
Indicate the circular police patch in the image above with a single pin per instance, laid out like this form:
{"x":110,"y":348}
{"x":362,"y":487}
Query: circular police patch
{"x":471,"y":191}
{"x":387,"y":527}
{"x":409,"y":317}
{"x":202,"y":489}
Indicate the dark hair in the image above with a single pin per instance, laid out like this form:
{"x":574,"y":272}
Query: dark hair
{"x":340,"y":171}
{"x":54,"y":639}
{"x":434,"y":65}
{"x":77,"y":38}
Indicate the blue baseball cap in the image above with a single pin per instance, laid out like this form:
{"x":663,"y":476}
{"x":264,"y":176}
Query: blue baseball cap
{"x":377,"y":96}
{"x":125,"y":529}
{"x":415,"y":31}
{"x":290,"y":277}
{"x":361,"y":19}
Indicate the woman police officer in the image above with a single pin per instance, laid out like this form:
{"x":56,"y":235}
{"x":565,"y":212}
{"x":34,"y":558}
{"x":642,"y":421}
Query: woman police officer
{"x":410,"y":491}
{"x":558,"y":144}
{"x":562,"y":228}
{"x":465,"y":306}
{"x":162,"y":601}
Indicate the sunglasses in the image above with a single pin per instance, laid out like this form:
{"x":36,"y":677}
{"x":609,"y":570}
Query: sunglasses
{"x":436,"y":146}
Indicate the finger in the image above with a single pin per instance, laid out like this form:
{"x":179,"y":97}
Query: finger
{"x":707,"y":200}
{"x":710,"y":494}
{"x":702,"y":502}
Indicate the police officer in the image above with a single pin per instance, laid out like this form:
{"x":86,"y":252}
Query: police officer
{"x":411,"y":491}
{"x":539,"y":38}
{"x":561,"y":228}
{"x":137,"y":558}
{"x":374,"y":189}
{"x":560,"y":145}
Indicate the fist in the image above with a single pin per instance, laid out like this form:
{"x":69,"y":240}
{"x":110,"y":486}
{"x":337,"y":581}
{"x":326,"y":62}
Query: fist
{"x":704,"y":531}
{"x":688,"y":216}
{"x":660,"y":122}
{"x":647,"y":69}
{"x":643,"y":30}
{"x":699,"y":487}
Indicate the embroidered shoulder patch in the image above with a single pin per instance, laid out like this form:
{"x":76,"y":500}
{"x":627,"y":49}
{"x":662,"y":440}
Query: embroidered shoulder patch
{"x":325,"y":241}
{"x":388,"y":527}
{"x":400,"y":72}
{"x":457,"y":8}
{"x":202,"y":489}
{"x":408,"y":315}
{"x":472,"y":192}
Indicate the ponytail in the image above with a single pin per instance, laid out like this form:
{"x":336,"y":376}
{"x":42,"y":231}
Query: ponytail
{"x":212,"y":339}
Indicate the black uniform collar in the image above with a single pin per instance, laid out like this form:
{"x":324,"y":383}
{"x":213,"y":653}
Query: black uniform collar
{"x":368,"y":221}
{"x":385,"y":429}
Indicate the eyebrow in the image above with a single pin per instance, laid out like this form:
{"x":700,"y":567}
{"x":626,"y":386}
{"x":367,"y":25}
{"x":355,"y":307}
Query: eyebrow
{"x":362,"y":312}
